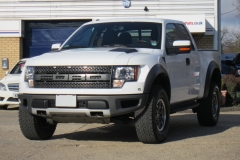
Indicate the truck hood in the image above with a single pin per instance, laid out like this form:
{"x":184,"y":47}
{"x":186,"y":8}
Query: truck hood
{"x":86,"y":56}
{"x":11,"y":78}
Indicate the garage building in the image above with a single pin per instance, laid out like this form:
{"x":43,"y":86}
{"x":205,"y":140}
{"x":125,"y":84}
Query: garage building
{"x":29,"y":28}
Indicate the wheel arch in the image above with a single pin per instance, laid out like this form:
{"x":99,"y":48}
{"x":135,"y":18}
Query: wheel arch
{"x":158,"y":76}
{"x":213,"y":75}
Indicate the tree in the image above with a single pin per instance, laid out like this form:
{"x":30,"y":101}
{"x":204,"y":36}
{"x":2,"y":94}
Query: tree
{"x":237,"y":5}
{"x":230,"y":40}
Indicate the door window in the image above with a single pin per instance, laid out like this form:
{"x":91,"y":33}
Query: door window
{"x":172,"y":34}
{"x":185,"y":35}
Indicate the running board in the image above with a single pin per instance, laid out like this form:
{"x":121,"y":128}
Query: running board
{"x":183,"y":106}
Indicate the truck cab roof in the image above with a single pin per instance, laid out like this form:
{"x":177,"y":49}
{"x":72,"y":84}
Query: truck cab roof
{"x":155,"y":20}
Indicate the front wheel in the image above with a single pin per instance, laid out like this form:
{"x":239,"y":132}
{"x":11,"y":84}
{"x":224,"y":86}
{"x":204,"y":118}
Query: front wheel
{"x":152,"y":122}
{"x":34,"y":127}
{"x":209,"y":108}
{"x":4,"y":107}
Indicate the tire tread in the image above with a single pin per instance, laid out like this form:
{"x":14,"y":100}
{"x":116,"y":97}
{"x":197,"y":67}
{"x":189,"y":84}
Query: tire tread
{"x":30,"y":129}
{"x":204,"y":111}
{"x":144,"y":123}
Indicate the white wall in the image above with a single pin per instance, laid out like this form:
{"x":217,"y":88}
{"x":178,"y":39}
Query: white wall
{"x":97,"y":9}
{"x":83,"y":9}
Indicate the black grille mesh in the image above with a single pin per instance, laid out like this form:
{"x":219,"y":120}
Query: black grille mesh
{"x":72,"y":85}
{"x":49,"y":83}
{"x":72,"y":69}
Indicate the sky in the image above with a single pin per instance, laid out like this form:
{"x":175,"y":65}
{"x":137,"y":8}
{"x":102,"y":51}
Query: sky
{"x":229,"y":20}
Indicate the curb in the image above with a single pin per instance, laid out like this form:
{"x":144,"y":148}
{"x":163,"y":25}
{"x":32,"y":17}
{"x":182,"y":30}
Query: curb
{"x":222,"y":109}
{"x":228,"y":109}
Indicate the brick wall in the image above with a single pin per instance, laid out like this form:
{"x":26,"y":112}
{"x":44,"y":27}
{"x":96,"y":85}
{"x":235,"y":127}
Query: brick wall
{"x":10,"y":48}
{"x":203,"y":42}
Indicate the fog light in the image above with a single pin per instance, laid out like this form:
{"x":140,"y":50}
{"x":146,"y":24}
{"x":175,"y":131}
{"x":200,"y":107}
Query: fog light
{"x":30,"y":83}
{"x":118,"y":83}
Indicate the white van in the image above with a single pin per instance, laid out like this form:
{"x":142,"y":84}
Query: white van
{"x":9,"y":85}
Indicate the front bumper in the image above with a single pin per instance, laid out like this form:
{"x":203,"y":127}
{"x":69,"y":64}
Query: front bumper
{"x":89,"y":108}
{"x":7,"y":98}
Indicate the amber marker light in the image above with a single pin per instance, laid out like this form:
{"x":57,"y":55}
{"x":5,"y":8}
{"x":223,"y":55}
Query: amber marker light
{"x":135,"y":73}
{"x":184,"y":49}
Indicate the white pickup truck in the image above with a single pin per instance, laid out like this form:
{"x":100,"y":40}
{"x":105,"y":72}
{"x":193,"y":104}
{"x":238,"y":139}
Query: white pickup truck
{"x":135,"y":71}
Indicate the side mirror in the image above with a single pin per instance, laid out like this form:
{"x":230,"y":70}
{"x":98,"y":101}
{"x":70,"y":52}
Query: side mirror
{"x":180,"y":46}
{"x":7,"y":72}
{"x":56,"y":46}
{"x":182,"y":43}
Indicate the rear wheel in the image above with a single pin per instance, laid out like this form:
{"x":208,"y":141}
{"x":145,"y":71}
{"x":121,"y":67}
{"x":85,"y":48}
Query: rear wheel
{"x":208,"y":111}
{"x":34,"y":127}
{"x":152,"y":122}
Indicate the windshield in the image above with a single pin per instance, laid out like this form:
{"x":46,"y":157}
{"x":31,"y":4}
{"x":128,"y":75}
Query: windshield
{"x":117,"y":34}
{"x":18,"y":68}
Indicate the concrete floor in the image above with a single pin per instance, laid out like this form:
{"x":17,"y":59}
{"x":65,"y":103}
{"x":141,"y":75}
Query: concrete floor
{"x":186,"y":140}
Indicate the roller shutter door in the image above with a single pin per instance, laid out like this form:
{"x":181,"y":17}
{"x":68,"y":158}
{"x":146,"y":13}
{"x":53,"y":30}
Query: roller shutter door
{"x":40,"y":35}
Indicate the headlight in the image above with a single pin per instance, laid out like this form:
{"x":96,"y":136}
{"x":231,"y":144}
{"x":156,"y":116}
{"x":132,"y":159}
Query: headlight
{"x":124,"y":73}
{"x":29,"y":74}
{"x":238,"y":72}
{"x":3,"y":87}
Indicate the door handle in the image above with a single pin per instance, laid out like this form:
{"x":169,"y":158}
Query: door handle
{"x":187,"y":61}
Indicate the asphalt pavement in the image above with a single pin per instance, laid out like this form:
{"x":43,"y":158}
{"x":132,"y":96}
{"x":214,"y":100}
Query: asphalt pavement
{"x":186,"y":140}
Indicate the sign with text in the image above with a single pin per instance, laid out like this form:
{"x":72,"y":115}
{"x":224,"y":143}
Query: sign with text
{"x":195,"y":23}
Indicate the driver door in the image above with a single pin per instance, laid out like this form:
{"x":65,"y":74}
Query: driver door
{"x":178,"y":67}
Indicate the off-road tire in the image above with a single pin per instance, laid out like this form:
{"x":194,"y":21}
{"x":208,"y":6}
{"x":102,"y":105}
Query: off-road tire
{"x":34,"y":127}
{"x":151,"y":118}
{"x":209,"y":108}
{"x":3,"y":107}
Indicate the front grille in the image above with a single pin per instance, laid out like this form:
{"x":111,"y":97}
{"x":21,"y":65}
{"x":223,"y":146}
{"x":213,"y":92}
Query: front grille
{"x":13,"y":87}
{"x":12,"y":99}
{"x":72,"y":69}
{"x":72,"y":77}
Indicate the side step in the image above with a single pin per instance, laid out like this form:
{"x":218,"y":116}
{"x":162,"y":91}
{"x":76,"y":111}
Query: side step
{"x":183,"y":106}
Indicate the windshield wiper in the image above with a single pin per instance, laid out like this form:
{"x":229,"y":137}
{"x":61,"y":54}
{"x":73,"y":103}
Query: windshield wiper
{"x":116,"y":45}
{"x":70,"y":47}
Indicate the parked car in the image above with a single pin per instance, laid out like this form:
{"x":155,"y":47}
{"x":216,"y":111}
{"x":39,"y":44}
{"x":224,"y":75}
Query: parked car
{"x":234,"y":65}
{"x":224,"y":67}
{"x":9,"y":85}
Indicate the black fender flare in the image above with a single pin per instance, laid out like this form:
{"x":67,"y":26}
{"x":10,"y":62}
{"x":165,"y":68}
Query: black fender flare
{"x":152,"y":75}
{"x":211,"y":67}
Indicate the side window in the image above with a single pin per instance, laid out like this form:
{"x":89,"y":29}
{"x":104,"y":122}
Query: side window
{"x":172,"y":34}
{"x":185,"y":35}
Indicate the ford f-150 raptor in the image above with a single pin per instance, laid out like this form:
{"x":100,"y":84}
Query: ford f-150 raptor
{"x":135,"y":71}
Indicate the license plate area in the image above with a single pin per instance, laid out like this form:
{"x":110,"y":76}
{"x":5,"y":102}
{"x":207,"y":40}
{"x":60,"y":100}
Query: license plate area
{"x":66,"y":101}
